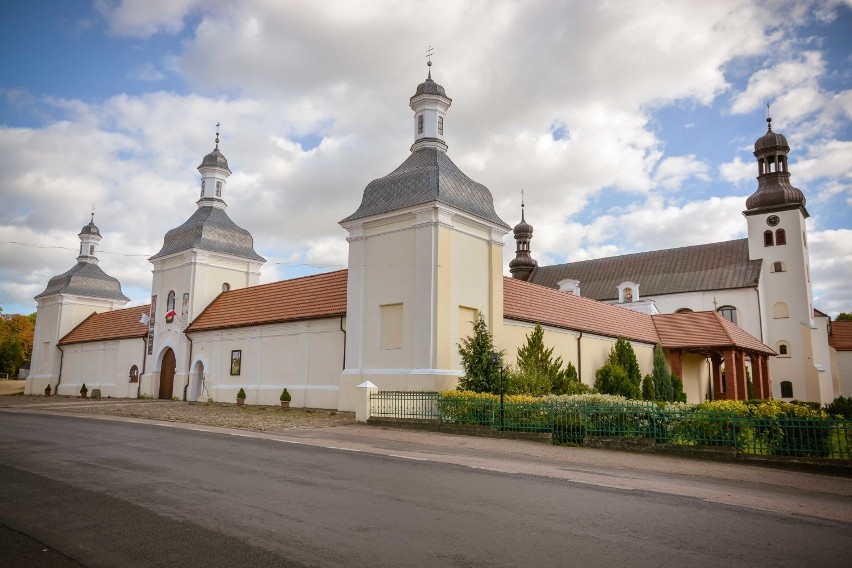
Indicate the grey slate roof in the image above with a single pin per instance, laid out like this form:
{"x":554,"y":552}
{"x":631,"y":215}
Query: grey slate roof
{"x":215,"y":159}
{"x":427,"y":175}
{"x":85,"y":279}
{"x":430,"y":87}
{"x":714,"y":266}
{"x":210,"y":229}
{"x":90,"y":229}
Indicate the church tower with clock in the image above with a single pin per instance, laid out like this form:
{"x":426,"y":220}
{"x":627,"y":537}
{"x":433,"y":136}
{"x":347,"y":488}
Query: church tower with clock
{"x":777,"y":234}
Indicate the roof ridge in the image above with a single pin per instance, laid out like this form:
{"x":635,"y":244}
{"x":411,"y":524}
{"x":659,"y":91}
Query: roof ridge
{"x":647,"y":252}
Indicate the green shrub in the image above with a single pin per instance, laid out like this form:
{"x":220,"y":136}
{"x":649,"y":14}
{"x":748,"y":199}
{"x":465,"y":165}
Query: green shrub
{"x":480,"y":375}
{"x":285,"y":396}
{"x":84,"y":389}
{"x":241,"y":394}
{"x":841,"y":407}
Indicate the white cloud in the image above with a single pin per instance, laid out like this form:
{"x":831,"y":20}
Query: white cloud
{"x":765,"y":85}
{"x":143,"y":18}
{"x":342,"y":74}
{"x":147,"y":72}
{"x":673,"y":171}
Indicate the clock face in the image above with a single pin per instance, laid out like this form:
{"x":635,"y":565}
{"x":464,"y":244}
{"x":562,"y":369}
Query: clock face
{"x":772,"y":220}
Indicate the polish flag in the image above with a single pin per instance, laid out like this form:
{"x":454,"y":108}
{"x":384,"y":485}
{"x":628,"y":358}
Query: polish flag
{"x":170,"y":314}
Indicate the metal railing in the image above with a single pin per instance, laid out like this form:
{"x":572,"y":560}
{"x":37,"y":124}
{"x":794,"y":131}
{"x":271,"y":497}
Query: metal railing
{"x":570,"y":422}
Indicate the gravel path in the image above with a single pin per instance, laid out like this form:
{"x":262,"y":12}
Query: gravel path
{"x":255,"y":418}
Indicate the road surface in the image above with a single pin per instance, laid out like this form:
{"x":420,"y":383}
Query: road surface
{"x":85,"y":492}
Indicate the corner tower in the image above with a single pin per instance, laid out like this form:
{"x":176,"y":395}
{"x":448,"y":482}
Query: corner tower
{"x":68,"y":299}
{"x":777,"y":234}
{"x":203,"y":257}
{"x":425,"y":259}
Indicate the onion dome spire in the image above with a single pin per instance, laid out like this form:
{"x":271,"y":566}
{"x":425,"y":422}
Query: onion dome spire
{"x":523,"y":264}
{"x":774,"y":192}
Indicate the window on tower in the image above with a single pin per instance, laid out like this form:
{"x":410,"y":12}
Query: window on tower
{"x":441,"y":125}
{"x":780,"y":310}
{"x":780,"y":237}
{"x":202,"y":188}
{"x":218,"y":189}
{"x":778,"y":266}
{"x":91,"y":250}
{"x":768,"y":239}
{"x":420,"y":124}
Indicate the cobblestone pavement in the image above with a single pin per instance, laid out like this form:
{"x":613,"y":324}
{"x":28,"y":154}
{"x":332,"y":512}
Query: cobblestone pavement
{"x":256,"y":418}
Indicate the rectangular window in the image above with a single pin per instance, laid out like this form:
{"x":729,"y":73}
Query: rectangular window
{"x":467,"y":318}
{"x":441,"y":125}
{"x":392,"y":326}
{"x":420,"y":124}
{"x":236,"y":361}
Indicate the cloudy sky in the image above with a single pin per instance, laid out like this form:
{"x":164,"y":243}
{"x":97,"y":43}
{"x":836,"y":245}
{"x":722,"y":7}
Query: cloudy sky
{"x":629,"y":125}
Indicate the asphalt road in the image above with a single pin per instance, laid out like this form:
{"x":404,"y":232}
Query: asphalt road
{"x":83,"y":492}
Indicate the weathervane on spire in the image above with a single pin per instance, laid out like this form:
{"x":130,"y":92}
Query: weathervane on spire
{"x":768,"y":119}
{"x":217,"y":135}
{"x":429,"y":53}
{"x":522,"y":205}
{"x":92,"y":220}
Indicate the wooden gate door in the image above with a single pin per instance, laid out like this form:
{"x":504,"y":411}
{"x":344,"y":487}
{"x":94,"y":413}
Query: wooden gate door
{"x":167,"y":375}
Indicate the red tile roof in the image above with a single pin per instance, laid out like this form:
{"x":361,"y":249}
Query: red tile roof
{"x":841,"y":335}
{"x":694,"y":330}
{"x":532,"y":303}
{"x":107,"y":326}
{"x":309,"y":297}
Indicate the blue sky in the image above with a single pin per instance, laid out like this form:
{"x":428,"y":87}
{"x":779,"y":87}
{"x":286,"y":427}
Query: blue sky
{"x":629,"y":126}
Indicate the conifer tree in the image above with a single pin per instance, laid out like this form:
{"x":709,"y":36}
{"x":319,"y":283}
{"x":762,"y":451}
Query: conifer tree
{"x":620,"y":374}
{"x":480,"y":375}
{"x":662,"y":376}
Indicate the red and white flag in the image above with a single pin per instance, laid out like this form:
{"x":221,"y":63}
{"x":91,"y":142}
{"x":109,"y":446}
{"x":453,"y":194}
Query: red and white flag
{"x":170,"y":314}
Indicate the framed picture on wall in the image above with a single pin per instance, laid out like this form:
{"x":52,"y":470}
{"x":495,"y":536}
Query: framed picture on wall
{"x":236,"y":356}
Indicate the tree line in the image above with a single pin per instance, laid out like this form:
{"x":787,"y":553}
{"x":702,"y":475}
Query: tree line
{"x":16,"y":341}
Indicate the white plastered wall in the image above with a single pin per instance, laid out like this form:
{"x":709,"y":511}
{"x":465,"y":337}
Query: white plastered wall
{"x":306,"y":357}
{"x":58,"y":315}
{"x":103,"y":365}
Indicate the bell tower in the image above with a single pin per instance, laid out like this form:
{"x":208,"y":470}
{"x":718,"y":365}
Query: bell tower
{"x":777,"y":234}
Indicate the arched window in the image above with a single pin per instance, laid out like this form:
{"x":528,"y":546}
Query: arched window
{"x":91,"y":250}
{"x":420,"y":124}
{"x":780,"y":237}
{"x":780,"y":310}
{"x":202,"y":188}
{"x":786,"y":389}
{"x":768,"y":240}
{"x":778,"y":266}
{"x":225,"y":286}
{"x":683,"y":311}
{"x":729,"y":313}
{"x":218,"y":189}
{"x":134,"y":374}
{"x":170,"y":307}
{"x":441,"y":125}
{"x":783,"y":348}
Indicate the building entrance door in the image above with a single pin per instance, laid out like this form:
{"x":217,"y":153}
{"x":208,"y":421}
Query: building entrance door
{"x":167,"y":375}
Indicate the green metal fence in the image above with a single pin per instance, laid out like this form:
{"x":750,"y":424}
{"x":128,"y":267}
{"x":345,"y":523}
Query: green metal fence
{"x":570,"y":422}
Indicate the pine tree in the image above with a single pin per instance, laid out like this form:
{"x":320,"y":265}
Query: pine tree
{"x":648,"y":390}
{"x":662,"y":376}
{"x":537,"y":369}
{"x":626,"y":357}
{"x":480,"y":375}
